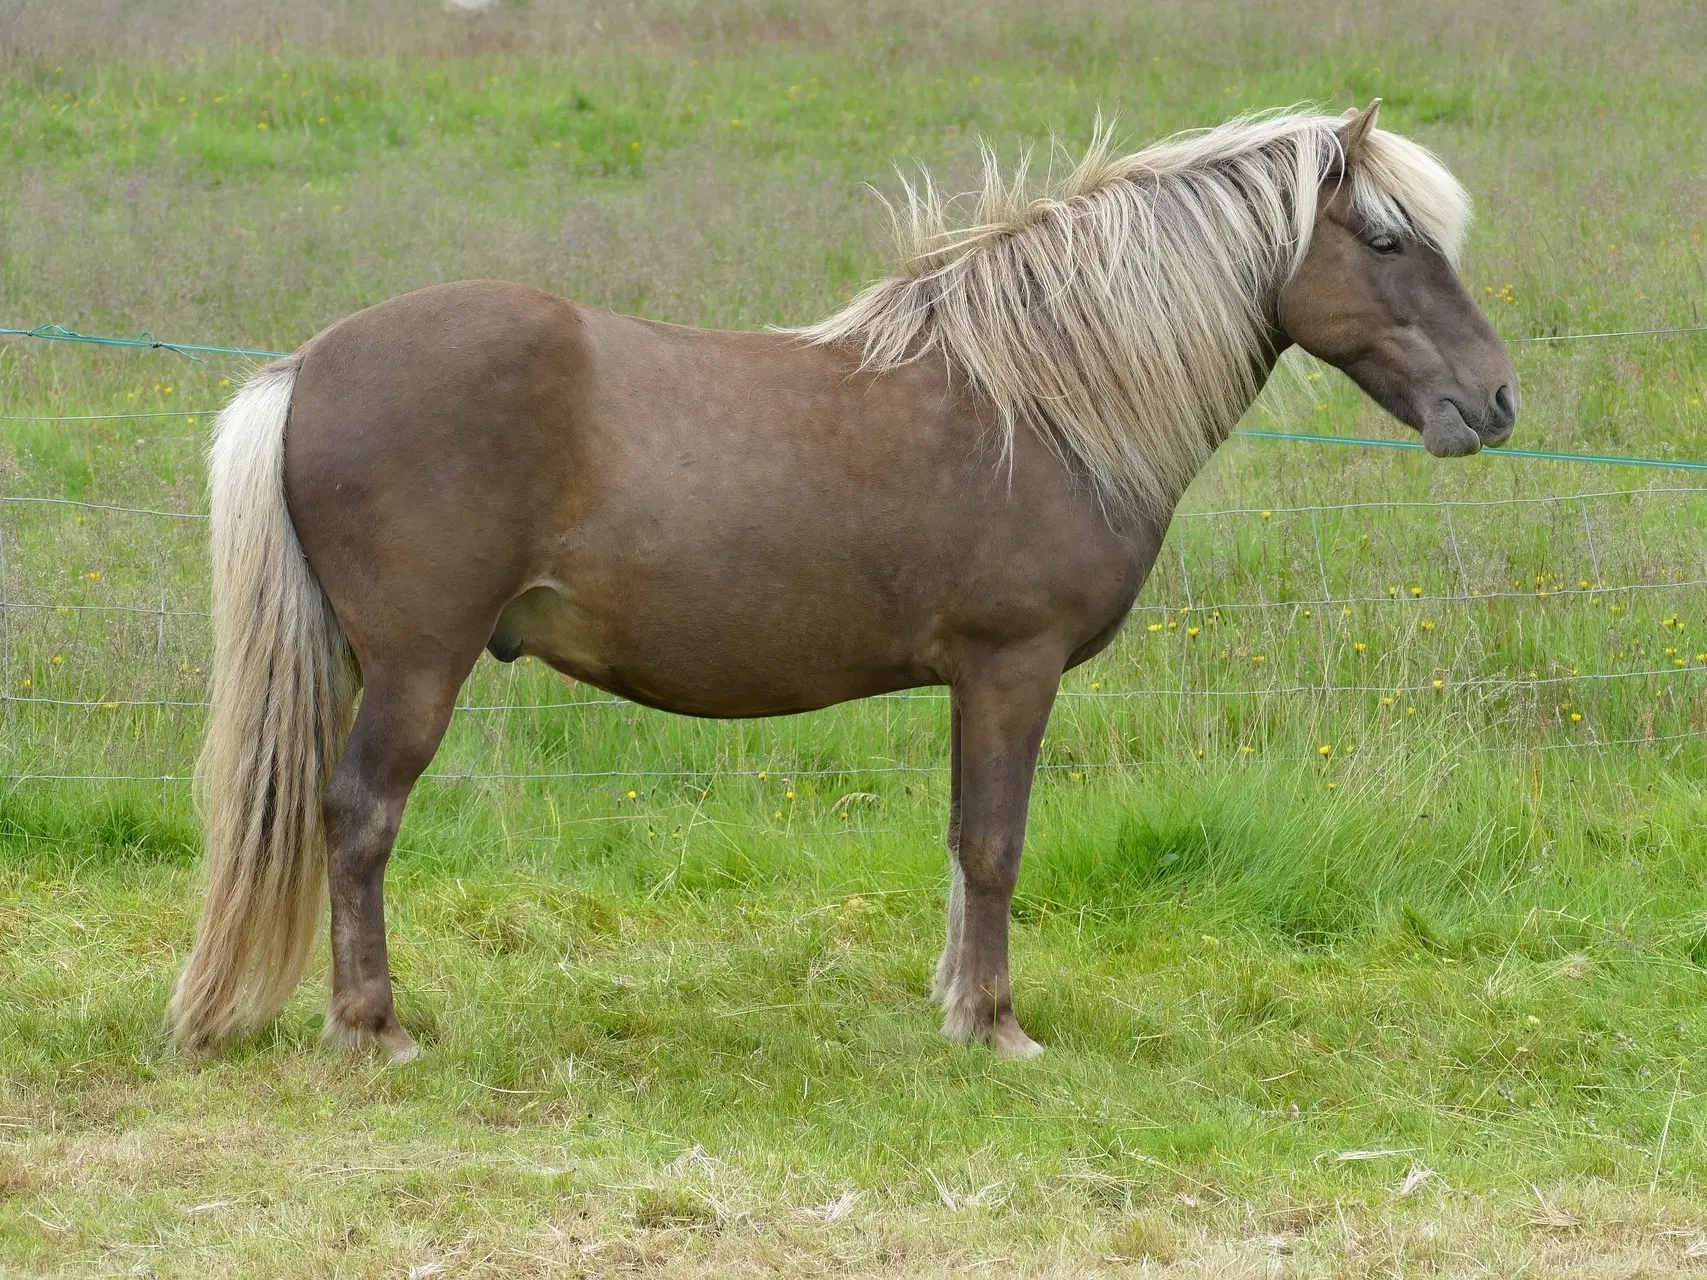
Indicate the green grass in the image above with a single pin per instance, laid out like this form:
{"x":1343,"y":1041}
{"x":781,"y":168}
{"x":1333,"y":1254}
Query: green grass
{"x":672,"y":993}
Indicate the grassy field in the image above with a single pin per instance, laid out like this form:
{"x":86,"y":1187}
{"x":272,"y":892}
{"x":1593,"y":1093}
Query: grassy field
{"x":1363,"y":913}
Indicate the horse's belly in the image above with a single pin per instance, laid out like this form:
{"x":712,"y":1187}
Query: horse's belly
{"x":701,"y":662}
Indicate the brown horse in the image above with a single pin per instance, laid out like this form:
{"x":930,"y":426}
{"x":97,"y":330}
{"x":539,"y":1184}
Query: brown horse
{"x":962,"y":479}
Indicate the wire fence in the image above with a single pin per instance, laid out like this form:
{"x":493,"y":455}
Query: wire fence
{"x":1354,"y":620}
{"x":1528,"y":623}
{"x":194,"y":351}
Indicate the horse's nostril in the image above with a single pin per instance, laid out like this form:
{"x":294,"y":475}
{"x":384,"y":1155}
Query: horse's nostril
{"x":1506,"y":403}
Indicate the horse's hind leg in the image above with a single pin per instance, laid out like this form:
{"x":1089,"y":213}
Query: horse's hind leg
{"x":402,"y":719}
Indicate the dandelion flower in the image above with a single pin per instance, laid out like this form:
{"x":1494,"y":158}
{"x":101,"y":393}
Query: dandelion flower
{"x":1576,"y":717}
{"x":763,"y":775}
{"x":1416,"y":592}
{"x":1095,"y":685}
{"x":1076,"y":776}
{"x":1268,"y":515}
{"x":1325,"y":750}
{"x":1247,"y":750}
{"x":789,"y":795}
{"x":1333,"y":786}
{"x":1257,"y":659}
{"x":634,"y":795}
{"x":1193,"y":632}
{"x":1440,"y":684}
{"x":777,"y":814}
{"x":1427,"y":625}
{"x":57,"y":660}
{"x":1153,"y":627}
{"x":1360,"y":646}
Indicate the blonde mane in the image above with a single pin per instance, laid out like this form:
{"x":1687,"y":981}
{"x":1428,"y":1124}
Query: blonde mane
{"x":1123,"y":315}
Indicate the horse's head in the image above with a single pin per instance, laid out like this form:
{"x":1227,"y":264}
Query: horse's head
{"x":1387,"y":307}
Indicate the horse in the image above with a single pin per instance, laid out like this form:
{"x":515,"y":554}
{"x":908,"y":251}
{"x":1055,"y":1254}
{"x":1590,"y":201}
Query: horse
{"x":962,"y":478}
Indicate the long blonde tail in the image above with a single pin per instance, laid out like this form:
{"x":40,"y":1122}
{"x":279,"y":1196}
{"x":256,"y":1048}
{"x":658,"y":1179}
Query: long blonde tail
{"x":283,"y":685}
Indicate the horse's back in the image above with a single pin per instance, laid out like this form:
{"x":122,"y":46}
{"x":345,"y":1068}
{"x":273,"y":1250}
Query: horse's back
{"x":717,"y":522}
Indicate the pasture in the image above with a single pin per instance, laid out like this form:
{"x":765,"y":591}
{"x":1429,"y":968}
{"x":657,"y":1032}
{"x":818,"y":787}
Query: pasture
{"x":1363,"y":911}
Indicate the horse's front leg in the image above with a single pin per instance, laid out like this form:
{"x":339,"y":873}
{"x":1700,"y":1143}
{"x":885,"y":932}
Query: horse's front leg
{"x":1001,"y":707}
{"x":948,"y":962}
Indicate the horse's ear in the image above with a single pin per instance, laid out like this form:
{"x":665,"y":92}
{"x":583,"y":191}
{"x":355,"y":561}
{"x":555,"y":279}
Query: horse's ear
{"x":1355,"y":129}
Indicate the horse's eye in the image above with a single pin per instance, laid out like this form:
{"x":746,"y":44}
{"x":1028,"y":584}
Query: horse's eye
{"x":1385,"y":244}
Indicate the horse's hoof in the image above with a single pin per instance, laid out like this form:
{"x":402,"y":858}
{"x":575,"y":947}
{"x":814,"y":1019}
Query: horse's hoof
{"x":402,"y":1048}
{"x":1004,"y":1035}
{"x":1011,"y":1041}
{"x":391,"y":1039}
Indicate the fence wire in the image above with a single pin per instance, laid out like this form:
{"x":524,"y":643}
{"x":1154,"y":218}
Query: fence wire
{"x":1384,"y":573}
